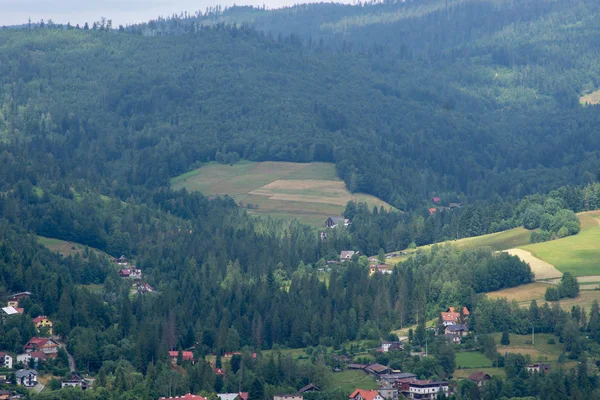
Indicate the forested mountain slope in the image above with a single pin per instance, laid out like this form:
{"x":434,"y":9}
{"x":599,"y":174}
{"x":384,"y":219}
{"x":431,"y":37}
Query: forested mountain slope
{"x":495,"y":114}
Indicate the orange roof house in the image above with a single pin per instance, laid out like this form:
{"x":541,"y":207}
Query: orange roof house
{"x":450,"y":317}
{"x":187,"y":356}
{"x":360,"y":394}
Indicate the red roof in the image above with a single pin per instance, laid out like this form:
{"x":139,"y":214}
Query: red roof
{"x":432,"y":210}
{"x":436,"y":199}
{"x":188,"y":396}
{"x":39,"y":319}
{"x":37,"y":342}
{"x":452,"y":315}
{"x":38,"y":355}
{"x":244,"y":395}
{"x":187,"y":355}
{"x":365,"y":394}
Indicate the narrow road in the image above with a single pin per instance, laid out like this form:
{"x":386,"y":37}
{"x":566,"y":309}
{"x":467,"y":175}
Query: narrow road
{"x":72,"y":365}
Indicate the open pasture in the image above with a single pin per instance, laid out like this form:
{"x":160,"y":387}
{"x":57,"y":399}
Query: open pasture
{"x":308,"y":192}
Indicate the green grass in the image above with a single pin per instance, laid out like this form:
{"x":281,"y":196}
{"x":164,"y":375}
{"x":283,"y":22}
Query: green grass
{"x":496,"y":241}
{"x":308,"y":192}
{"x":349,"y":380}
{"x":578,"y":254}
{"x":472,"y":359}
{"x":464,"y":373}
{"x":66,"y":248}
{"x":540,"y":351}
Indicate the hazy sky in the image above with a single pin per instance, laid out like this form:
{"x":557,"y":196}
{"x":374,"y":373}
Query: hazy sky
{"x":15,"y":12}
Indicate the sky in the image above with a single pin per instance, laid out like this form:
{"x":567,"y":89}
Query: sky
{"x":121,"y":12}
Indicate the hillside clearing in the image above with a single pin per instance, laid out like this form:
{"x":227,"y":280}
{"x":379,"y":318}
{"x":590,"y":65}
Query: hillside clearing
{"x":463,"y":373}
{"x":578,"y":254}
{"x":66,"y":248}
{"x":535,"y":291}
{"x":348,"y":380}
{"x":308,"y":192}
{"x":540,"y":268}
{"x":592,"y":98}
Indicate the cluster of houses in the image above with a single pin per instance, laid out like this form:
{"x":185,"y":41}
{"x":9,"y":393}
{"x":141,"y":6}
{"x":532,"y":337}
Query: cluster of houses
{"x":135,"y":274}
{"x":455,"y":324}
{"x":436,"y":201}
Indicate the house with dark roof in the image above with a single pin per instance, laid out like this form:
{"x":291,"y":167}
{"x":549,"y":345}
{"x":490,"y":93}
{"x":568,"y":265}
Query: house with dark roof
{"x":309,"y":388}
{"x":479,"y":378}
{"x":26,"y":377}
{"x":531,"y":368}
{"x":422,"y":389}
{"x":76,"y":381}
{"x":457,"y":330}
{"x":333,"y":222}
{"x":296,"y":396}
{"x":377,"y":370}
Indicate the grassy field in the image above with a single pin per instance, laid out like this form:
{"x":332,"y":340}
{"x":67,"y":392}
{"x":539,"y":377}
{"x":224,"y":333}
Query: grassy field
{"x":592,"y":98}
{"x":464,"y":373}
{"x":540,"y":351}
{"x":496,"y":241}
{"x":472,"y":359}
{"x":535,"y":291}
{"x":348,"y":380}
{"x":66,"y":248}
{"x":578,"y":254}
{"x":308,"y":192}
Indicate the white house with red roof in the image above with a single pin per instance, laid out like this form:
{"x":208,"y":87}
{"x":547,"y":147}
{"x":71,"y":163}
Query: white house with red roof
{"x":361,"y":394}
{"x":451,"y":317}
{"x":48,"y":346}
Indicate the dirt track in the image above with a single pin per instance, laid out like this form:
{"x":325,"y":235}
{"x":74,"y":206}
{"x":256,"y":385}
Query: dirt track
{"x":540,"y":268}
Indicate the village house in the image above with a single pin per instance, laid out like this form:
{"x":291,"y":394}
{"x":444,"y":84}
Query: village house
{"x":143,"y":287}
{"x":531,"y":368}
{"x":390,"y":380}
{"x":26,"y":377}
{"x":309,"y":388}
{"x":187,"y":356}
{"x":4,"y":394}
{"x":49,"y":347}
{"x":43,"y":323}
{"x":389,"y":346}
{"x":6,"y":360}
{"x":388,"y":393}
{"x":457,"y":330}
{"x":288,"y":397}
{"x":381,"y":268}
{"x":188,"y":396}
{"x":479,"y":378}
{"x":346,"y":255}
{"x":360,"y":394}
{"x":13,"y":301}
{"x":435,"y":200}
{"x":121,"y":261}
{"x":76,"y":381}
{"x":10,"y":310}
{"x":130,"y":273}
{"x":233,"y":396}
{"x":422,"y":389}
{"x":377,"y":370}
{"x":332,"y":222}
{"x":451,"y":317}
{"x":23,"y":359}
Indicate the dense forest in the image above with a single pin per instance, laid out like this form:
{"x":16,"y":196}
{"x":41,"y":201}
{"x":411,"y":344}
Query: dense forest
{"x":474,"y":102}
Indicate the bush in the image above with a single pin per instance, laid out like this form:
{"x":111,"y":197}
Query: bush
{"x":505,"y":341}
{"x":551,"y":341}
